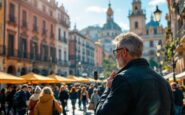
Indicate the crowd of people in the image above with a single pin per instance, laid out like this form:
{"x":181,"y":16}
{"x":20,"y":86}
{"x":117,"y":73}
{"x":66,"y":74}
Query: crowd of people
{"x":42,"y":100}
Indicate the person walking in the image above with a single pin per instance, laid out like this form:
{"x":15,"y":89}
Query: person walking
{"x":95,"y":98}
{"x":2,"y":101}
{"x":84,"y":99}
{"x":20,"y":100}
{"x":63,"y":97}
{"x":178,"y":99}
{"x":135,"y":89}
{"x":73,"y":97}
{"x":33,"y":100}
{"x":46,"y":103}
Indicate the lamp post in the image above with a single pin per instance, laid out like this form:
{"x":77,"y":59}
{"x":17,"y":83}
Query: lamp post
{"x":157,"y":14}
{"x":159,"y":58}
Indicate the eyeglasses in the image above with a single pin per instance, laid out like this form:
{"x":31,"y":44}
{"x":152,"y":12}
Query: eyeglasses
{"x":116,"y":51}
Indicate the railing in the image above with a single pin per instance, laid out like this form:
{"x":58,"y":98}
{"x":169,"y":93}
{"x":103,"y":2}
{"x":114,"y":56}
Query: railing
{"x":52,"y":35}
{"x":12,"y":19}
{"x":35,"y":28}
{"x":24,"y":24}
{"x":44,"y":32}
{"x":63,"y":63}
{"x":64,"y":23}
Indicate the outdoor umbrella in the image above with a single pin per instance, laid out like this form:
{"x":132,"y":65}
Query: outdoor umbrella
{"x":10,"y":79}
{"x":36,"y":79}
{"x":60,"y":79}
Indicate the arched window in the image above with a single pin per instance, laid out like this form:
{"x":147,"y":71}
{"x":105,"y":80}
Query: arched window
{"x":136,"y":25}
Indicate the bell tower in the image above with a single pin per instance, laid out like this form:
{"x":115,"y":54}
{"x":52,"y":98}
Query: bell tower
{"x":137,"y":18}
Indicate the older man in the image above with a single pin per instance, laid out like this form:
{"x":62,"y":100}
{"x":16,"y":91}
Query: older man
{"x":136,"y":89}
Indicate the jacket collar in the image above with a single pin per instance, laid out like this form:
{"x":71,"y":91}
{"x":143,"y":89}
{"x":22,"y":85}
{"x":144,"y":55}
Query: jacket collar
{"x":135,"y":62}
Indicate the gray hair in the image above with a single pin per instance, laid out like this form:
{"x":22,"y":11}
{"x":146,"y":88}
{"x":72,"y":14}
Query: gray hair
{"x":132,"y":42}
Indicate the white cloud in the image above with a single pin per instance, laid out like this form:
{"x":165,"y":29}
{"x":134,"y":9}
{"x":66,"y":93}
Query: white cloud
{"x":124,"y":26}
{"x":96,"y":9}
{"x":156,"y":2}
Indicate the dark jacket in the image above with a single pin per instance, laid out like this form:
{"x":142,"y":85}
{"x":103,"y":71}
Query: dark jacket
{"x":63,"y":96}
{"x":178,"y":97}
{"x":137,"y":90}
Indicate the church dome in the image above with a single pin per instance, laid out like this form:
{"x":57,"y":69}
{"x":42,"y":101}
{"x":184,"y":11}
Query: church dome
{"x":152,"y":23}
{"x":111,"y":25}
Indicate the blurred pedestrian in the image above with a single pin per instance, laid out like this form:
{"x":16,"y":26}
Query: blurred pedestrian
{"x":20,"y":100}
{"x":95,"y":98}
{"x":46,"y":103}
{"x":63,"y":97}
{"x":84,"y":99}
{"x":2,"y":101}
{"x":73,"y":97}
{"x":33,"y":100}
{"x":136,"y":89}
{"x":178,"y":98}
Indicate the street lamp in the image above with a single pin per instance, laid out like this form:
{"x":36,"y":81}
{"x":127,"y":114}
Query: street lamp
{"x":157,"y":14}
{"x":158,"y":53}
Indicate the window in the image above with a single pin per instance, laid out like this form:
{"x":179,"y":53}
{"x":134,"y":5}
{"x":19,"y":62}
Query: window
{"x":0,"y":3}
{"x":151,"y":44}
{"x":59,"y":34}
{"x":34,"y":23}
{"x":51,"y":13}
{"x":10,"y":45}
{"x":44,"y":26}
{"x":147,"y":32}
{"x":51,"y":32}
{"x":136,"y":25}
{"x":11,"y":12}
{"x":60,"y":54}
{"x":24,"y":18}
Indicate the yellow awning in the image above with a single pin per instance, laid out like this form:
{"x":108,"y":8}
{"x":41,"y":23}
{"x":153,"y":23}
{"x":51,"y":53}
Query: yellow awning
{"x":91,"y":80}
{"x":10,"y":79}
{"x":82,"y":79}
{"x":60,"y":79}
{"x":36,"y":79}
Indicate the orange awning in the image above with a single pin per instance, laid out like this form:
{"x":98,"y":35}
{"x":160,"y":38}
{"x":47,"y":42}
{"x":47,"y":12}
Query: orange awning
{"x":60,"y":79}
{"x":36,"y":79}
{"x":10,"y":79}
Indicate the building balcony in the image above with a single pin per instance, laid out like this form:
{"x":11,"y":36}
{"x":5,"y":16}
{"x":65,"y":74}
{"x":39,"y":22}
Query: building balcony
{"x":44,"y":32}
{"x":64,"y":23}
{"x":52,"y":35}
{"x":63,"y":63}
{"x":12,"y":19}
{"x":22,"y":54}
{"x":35,"y":29}
{"x":24,"y":24}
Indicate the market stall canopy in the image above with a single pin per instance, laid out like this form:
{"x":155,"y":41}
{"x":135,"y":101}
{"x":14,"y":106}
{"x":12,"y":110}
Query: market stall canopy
{"x":10,"y":79}
{"x":36,"y":79}
{"x":60,"y":79}
{"x":91,"y":80}
{"x":84,"y":80}
{"x":76,"y":79}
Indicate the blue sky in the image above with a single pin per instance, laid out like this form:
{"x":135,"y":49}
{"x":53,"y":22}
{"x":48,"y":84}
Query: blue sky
{"x":93,"y":12}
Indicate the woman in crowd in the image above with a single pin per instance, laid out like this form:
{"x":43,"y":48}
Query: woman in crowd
{"x":95,"y":98}
{"x":84,"y":98}
{"x":73,"y":97}
{"x":2,"y":101}
{"x":33,"y":100}
{"x":46,"y":103}
{"x":63,"y":97}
